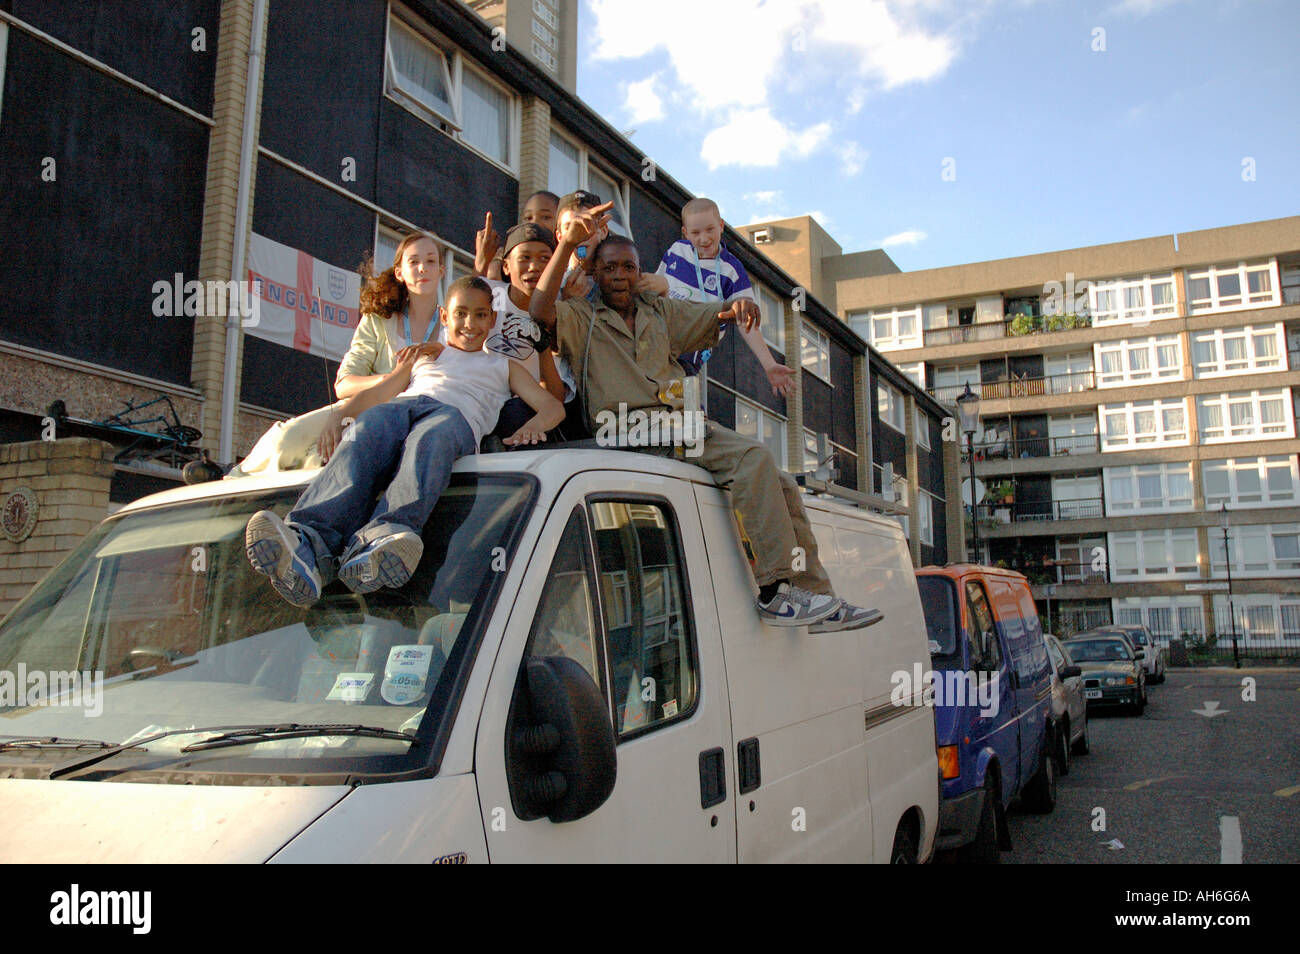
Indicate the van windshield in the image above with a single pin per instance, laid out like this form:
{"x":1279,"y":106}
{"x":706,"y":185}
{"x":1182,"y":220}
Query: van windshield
{"x":157,"y":622}
{"x":943,"y":628}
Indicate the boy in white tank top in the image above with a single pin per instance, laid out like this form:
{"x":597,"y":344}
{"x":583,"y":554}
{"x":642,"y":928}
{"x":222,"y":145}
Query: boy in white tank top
{"x":451,"y":401}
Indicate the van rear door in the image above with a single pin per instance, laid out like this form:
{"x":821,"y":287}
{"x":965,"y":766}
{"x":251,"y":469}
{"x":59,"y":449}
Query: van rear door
{"x":619,"y":583}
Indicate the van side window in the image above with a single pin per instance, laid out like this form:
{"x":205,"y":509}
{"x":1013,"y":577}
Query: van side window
{"x":981,"y":620}
{"x":651,"y":647}
{"x":565,"y":624}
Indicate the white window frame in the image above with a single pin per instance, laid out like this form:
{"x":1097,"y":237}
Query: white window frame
{"x":622,"y":205}
{"x":772,"y":326}
{"x":1131,"y":478}
{"x":1252,"y":362}
{"x":810,"y":334}
{"x":1159,"y":543}
{"x":1254,"y":550}
{"x":1128,"y":412}
{"x":545,"y":56}
{"x":891,"y":407}
{"x":925,"y":502}
{"x":1285,"y":611}
{"x":1068,"y":372}
{"x":1225,"y":431}
{"x":1233,"y":467}
{"x":1129,"y":349}
{"x":454,"y":65}
{"x":892,"y":320}
{"x":1141,"y":610}
{"x":1122,"y":313}
{"x":1243,"y":270}
{"x":765,"y":416}
{"x":540,"y":32}
{"x":544,"y":12}
{"x":922,"y":427}
{"x":915,"y":371}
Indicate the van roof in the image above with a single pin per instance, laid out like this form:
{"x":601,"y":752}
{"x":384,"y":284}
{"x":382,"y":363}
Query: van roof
{"x":550,"y":465}
{"x":958,"y":570}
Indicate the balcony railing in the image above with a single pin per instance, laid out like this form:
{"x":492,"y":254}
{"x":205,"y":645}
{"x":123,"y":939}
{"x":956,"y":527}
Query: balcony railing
{"x":1010,"y":327}
{"x":1038,"y":447}
{"x":1064,"y":572}
{"x":1020,"y":387}
{"x":1040,"y":510}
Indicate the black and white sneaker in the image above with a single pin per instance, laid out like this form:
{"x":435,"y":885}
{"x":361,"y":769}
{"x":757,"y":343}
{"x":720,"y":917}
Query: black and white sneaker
{"x":847,"y":616}
{"x":792,"y":606}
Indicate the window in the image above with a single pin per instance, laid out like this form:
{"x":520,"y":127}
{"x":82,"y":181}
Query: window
{"x":1257,"y":549}
{"x":843,"y":459}
{"x":1082,"y":559}
{"x":925,"y":516}
{"x":1138,"y":359}
{"x":1076,"y":498}
{"x":1251,"y":481}
{"x":914,"y":371}
{"x":1244,"y":414}
{"x":890,"y":405}
{"x":1073,"y":433}
{"x":922,"y":428}
{"x":980,"y":623}
{"x":543,"y":34}
{"x":571,"y":168}
{"x":1233,"y":287}
{"x":1139,"y":423}
{"x":1221,"y":351}
{"x":432,"y":79}
{"x":889,"y":330}
{"x":1290,"y":285}
{"x":1069,"y":372}
{"x":1258,"y":618}
{"x":1132,"y":300}
{"x":763,"y":426}
{"x":816,"y":350}
{"x":773,"y":311}
{"x":1148,"y":487}
{"x":650,"y":645}
{"x":565,"y":624}
{"x":1153,"y":553}
{"x":950,"y":382}
{"x":544,"y":13}
{"x":1166,"y":617}
{"x":545,"y":57}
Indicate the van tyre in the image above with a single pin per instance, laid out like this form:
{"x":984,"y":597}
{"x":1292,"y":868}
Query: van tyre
{"x":984,"y":850}
{"x":904,"y":851}
{"x":1082,"y":745}
{"x":1040,"y":794}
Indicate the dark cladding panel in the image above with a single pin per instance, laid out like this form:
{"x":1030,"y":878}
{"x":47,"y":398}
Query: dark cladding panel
{"x":284,"y":379}
{"x":151,"y":41}
{"x":124,"y":210}
{"x":654,"y":227}
{"x":722,"y":407}
{"x":816,"y":405}
{"x":844,"y":419}
{"x":439,"y":184}
{"x":323,"y":86}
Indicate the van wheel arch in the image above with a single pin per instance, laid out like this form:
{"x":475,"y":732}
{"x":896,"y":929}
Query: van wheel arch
{"x":907,"y":839}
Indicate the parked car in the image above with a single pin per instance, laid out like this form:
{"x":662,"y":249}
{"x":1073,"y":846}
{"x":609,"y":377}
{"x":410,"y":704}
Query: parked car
{"x":575,"y":672}
{"x":1152,"y":662}
{"x":1112,"y":674}
{"x":1069,"y":709}
{"x":993,"y":717}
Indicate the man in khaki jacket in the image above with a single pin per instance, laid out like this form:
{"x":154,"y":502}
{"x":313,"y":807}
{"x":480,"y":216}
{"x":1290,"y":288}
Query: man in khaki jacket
{"x":621,"y":350}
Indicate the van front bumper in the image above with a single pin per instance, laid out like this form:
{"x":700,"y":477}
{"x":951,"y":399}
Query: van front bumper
{"x":959,"y":819}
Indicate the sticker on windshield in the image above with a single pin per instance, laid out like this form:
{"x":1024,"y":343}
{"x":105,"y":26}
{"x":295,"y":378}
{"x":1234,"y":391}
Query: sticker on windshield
{"x":405,"y":674}
{"x":350,"y":687}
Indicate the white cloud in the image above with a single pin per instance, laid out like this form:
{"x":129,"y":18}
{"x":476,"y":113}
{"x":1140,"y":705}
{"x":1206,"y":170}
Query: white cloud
{"x":852,"y":157}
{"x":908,"y":237}
{"x":1139,"y":8}
{"x":763,"y":196}
{"x":754,"y":137}
{"x":641,"y":102}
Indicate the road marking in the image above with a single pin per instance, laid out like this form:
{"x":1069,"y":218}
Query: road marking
{"x":1229,"y":840}
{"x":1135,"y":786}
{"x":1210,"y":710}
{"x":1287,"y":792}
{"x":1114,"y":844}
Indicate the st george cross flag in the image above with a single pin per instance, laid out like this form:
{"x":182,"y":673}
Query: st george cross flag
{"x":305,"y":303}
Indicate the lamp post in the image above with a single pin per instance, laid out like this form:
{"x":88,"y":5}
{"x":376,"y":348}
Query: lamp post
{"x":968,"y":406}
{"x":1227,"y":560}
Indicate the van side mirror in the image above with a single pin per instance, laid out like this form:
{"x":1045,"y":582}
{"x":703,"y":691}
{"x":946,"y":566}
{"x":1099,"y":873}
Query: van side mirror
{"x":1069,"y":672}
{"x":561,"y":761}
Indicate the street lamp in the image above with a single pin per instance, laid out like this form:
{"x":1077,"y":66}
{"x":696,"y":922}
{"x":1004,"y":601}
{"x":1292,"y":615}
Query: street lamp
{"x":1227,"y":559}
{"x":968,"y":406}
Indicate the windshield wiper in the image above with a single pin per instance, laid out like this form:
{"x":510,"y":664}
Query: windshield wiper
{"x":51,"y":742}
{"x":234,"y":735}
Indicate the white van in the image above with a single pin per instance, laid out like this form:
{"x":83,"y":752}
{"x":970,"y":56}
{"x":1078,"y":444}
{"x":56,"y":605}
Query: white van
{"x":575,"y":672}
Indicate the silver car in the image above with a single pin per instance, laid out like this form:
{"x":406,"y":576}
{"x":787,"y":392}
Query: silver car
{"x":1152,"y":663}
{"x":1069,"y":709}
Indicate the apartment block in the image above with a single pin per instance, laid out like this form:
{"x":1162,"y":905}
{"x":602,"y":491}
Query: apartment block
{"x":546,"y":31}
{"x":1134,"y":398}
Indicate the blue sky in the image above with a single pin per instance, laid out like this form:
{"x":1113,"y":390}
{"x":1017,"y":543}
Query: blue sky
{"x":848,"y":109}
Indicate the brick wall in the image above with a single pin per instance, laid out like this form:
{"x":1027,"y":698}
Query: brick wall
{"x":70,"y":479}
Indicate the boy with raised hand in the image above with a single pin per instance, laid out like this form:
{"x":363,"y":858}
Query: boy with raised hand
{"x":622,"y":349}
{"x":453,"y":398}
{"x":698,"y":267}
{"x":539,"y":208}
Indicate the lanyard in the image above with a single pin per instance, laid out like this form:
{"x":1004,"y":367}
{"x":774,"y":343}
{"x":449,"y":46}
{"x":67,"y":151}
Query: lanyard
{"x":406,"y":328}
{"x":717,"y":274}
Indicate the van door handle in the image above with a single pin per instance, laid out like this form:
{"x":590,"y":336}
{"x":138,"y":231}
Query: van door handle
{"x":747,"y":766}
{"x":713,"y":777}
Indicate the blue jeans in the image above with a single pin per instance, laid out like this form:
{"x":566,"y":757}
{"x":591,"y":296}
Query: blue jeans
{"x":407,"y":445}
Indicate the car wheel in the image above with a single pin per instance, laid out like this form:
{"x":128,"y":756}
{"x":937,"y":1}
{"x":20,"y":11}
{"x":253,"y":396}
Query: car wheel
{"x":984,"y":849}
{"x":1040,"y":794}
{"x":1063,"y":749}
{"x":904,"y":851}
{"x":1139,"y":704}
{"x":1082,"y":746}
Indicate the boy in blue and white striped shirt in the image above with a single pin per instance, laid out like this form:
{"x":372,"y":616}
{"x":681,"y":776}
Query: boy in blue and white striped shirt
{"x":698,"y":267}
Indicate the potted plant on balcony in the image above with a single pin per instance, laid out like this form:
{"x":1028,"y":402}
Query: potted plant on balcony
{"x":1025,"y":324}
{"x":1003,"y":492}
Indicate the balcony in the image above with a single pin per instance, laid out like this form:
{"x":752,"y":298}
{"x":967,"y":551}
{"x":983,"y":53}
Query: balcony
{"x":1037,"y":447}
{"x":1060,"y":572}
{"x":1068,"y":383}
{"x":993,"y":514}
{"x":1011,"y":326}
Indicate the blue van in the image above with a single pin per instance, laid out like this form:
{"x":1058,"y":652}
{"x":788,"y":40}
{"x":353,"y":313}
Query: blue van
{"x":991,"y":686}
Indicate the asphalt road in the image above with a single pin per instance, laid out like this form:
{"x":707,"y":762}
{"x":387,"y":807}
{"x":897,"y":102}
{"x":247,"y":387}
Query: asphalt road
{"x":1172,"y":781}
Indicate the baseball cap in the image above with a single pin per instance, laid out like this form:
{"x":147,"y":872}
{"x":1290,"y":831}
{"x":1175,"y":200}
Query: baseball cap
{"x":528,"y":232}
{"x":581,"y":199}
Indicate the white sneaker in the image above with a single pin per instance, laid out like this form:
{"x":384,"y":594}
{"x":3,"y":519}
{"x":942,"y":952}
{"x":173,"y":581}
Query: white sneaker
{"x":847,"y":616}
{"x":388,"y":561}
{"x":792,"y":606}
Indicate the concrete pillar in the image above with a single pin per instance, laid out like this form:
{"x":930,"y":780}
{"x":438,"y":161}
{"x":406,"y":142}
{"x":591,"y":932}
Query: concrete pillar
{"x":534,"y":151}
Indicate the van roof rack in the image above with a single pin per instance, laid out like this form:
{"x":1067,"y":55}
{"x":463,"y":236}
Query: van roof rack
{"x":855,"y":497}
